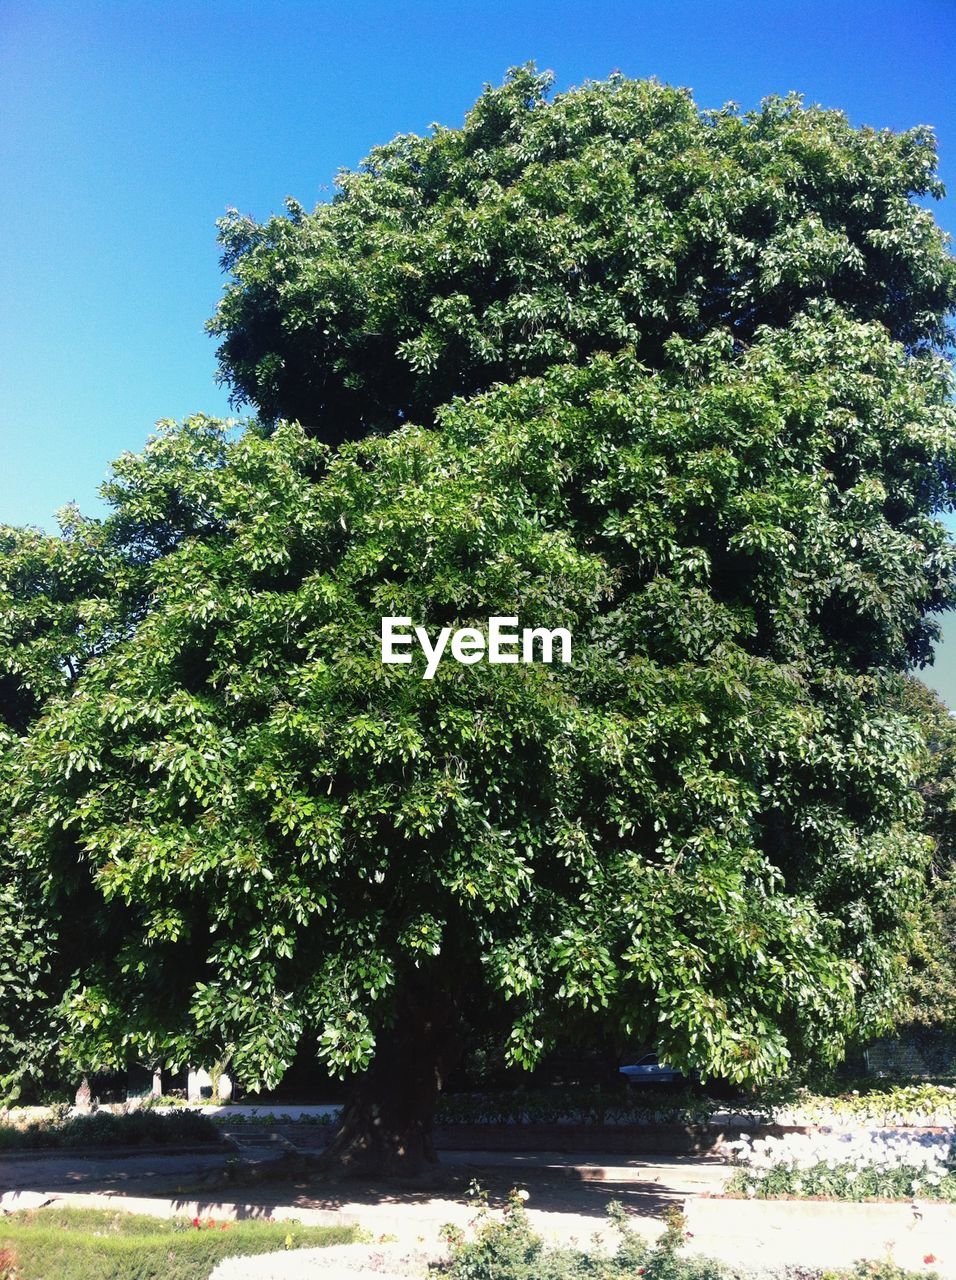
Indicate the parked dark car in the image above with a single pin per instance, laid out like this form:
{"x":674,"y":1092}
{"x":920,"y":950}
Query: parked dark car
{"x":650,"y":1070}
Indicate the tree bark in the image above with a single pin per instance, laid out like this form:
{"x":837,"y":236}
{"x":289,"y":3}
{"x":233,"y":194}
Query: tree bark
{"x":386,"y":1125}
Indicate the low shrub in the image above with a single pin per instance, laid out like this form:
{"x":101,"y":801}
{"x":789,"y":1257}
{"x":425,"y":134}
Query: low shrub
{"x":580,"y":1106}
{"x":265,"y":1120}
{"x":874,"y":1102}
{"x":73,"y":1244}
{"x":509,"y":1249}
{"x":103,"y":1129}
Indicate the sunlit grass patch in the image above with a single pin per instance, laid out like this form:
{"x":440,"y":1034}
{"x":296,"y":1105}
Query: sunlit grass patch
{"x":96,"y":1244}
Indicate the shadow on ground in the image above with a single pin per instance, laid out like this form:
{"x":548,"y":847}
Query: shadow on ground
{"x":258,"y":1181}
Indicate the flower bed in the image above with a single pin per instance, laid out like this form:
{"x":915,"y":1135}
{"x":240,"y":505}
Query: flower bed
{"x":874,"y":1164}
{"x":876,"y":1105}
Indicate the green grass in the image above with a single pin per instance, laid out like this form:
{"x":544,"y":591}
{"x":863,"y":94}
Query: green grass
{"x":94,"y":1244}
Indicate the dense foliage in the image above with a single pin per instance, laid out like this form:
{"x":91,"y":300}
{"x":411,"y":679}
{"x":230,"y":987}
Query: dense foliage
{"x":231,"y":827}
{"x":931,"y":986}
{"x":701,"y":829}
{"x":57,"y":611}
{"x":614,"y":216}
{"x":64,"y":601}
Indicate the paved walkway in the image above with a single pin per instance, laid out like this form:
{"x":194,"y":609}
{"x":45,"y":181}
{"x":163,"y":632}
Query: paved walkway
{"x":577,"y":1184}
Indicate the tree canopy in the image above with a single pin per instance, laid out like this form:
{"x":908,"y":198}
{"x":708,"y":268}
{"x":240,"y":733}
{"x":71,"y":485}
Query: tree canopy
{"x":542,"y":231}
{"x":677,"y":390}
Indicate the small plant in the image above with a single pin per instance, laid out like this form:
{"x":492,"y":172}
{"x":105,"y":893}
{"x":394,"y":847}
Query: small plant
{"x":477,"y":1193}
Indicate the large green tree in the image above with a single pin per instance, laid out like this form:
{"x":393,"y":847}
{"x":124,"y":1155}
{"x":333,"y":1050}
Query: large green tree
{"x":703,"y":830}
{"x":701,"y":422}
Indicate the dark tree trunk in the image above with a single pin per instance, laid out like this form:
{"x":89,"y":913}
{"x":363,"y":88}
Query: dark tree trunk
{"x":386,"y":1125}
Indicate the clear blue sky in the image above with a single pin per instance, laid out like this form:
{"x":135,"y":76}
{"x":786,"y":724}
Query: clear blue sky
{"x":127,"y":128}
